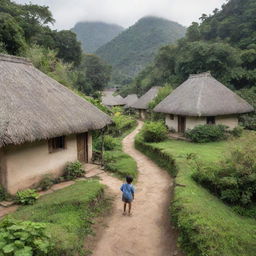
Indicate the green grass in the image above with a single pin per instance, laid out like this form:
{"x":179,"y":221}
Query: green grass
{"x":68,"y":213}
{"x":207,"y":226}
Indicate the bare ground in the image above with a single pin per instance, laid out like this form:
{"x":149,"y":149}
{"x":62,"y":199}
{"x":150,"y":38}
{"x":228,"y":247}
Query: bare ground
{"x":148,"y":231}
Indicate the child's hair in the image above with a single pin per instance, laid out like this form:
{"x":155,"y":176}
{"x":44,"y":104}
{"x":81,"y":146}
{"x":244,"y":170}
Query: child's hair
{"x":129,"y":179}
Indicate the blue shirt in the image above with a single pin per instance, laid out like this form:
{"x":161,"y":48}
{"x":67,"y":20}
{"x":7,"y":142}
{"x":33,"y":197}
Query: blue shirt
{"x":128,"y":191}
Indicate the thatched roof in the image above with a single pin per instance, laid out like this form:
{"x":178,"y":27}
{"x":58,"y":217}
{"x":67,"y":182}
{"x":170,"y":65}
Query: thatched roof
{"x":143,"y":101}
{"x":130,"y":99}
{"x":34,"y":106}
{"x":203,"y":95}
{"x":108,"y":99}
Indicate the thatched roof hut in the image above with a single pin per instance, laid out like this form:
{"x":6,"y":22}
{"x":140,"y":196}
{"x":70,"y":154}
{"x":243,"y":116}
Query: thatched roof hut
{"x":34,"y":106}
{"x":143,"y":101}
{"x":203,"y":95}
{"x":130,"y":99}
{"x":108,"y":99}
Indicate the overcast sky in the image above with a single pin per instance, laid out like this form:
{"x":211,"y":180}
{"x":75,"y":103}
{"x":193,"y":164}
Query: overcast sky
{"x":125,"y":12}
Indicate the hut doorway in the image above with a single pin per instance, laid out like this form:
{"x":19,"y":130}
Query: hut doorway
{"x":181,"y":124}
{"x":82,"y":147}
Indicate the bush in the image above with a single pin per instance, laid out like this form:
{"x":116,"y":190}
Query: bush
{"x":24,"y":238}
{"x":74,"y":170}
{"x":232,"y":180}
{"x":154,"y":132}
{"x":207,"y":133}
{"x":2,"y":193}
{"x":237,"y":131}
{"x":110,"y":143}
{"x":46,"y":183}
{"x":27,"y":196}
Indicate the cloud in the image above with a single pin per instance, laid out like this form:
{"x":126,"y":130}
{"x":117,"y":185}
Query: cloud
{"x":125,"y":12}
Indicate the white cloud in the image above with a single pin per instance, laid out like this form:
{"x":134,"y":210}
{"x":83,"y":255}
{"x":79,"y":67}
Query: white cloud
{"x":125,"y":12}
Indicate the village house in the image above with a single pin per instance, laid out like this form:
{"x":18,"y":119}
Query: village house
{"x":202,"y":100}
{"x":130,"y":99}
{"x":109,"y":100}
{"x":141,"y":105}
{"x":43,"y":125}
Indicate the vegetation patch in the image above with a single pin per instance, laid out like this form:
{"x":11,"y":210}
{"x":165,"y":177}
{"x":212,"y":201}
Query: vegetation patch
{"x":27,"y":196}
{"x":68,"y":215}
{"x":154,"y":132}
{"x":207,"y":226}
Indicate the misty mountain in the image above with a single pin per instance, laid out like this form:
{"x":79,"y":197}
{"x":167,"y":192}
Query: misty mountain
{"x":93,"y":35}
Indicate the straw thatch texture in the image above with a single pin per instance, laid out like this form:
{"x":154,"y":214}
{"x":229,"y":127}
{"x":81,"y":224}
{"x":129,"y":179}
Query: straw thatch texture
{"x":34,"y":106}
{"x":108,"y":99}
{"x":143,"y":101}
{"x":130,"y":99}
{"x":203,"y":95}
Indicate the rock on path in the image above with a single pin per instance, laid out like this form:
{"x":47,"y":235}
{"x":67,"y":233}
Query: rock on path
{"x":148,"y":232}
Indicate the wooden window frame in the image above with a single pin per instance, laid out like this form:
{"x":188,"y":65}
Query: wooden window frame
{"x":211,"y":120}
{"x":171,"y":117}
{"x":55,"y":145}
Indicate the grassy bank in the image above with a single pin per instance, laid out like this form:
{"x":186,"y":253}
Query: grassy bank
{"x":207,"y":226}
{"x":68,"y":214}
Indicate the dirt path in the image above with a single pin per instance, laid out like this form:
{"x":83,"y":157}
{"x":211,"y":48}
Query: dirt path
{"x":148,"y":232}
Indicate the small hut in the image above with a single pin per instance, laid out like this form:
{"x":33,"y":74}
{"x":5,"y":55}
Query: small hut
{"x":43,"y":125}
{"x":142,"y":103}
{"x":130,"y":99}
{"x":202,"y":100}
{"x":109,"y":100}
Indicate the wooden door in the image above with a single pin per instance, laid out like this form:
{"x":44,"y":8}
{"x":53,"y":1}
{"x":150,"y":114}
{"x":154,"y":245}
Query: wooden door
{"x":82,"y":147}
{"x":181,"y":124}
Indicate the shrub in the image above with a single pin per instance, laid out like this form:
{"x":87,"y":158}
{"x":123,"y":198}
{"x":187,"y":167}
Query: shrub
{"x":234,"y":179}
{"x":24,"y":238}
{"x":2,"y":193}
{"x":27,"y":196}
{"x":207,"y":133}
{"x":237,"y":131}
{"x":46,"y":183}
{"x":110,"y":143}
{"x":154,"y":132}
{"x":73,"y":170}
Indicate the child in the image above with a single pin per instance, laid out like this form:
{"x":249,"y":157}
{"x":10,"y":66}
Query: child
{"x":128,"y":194}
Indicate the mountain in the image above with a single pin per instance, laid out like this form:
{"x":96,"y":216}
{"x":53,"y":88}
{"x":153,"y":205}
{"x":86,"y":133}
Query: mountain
{"x":134,"y":48}
{"x":93,"y":35}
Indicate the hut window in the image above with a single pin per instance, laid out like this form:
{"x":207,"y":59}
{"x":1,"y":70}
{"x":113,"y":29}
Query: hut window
{"x":210,"y":119}
{"x":172,"y":117}
{"x":56,"y":144}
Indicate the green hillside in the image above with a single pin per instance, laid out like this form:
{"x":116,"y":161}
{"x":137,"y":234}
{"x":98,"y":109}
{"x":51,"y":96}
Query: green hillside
{"x":135,"y":47}
{"x":93,"y":35}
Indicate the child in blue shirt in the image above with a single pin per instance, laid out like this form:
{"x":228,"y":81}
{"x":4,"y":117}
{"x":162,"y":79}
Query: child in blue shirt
{"x":128,"y":194}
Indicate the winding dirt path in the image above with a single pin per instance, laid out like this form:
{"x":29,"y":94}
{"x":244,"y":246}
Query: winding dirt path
{"x":148,"y":232}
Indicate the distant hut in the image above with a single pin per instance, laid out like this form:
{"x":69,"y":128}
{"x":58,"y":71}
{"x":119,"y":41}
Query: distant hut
{"x":109,"y":100}
{"x":142,"y":103}
{"x":130,"y":99}
{"x":43,"y":125}
{"x":202,"y":100}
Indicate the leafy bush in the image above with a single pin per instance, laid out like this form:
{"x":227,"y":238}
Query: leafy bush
{"x":46,"y":183}
{"x":73,"y":170}
{"x":207,"y":133}
{"x":237,"y":131}
{"x":110,"y":143}
{"x":27,"y":196}
{"x":24,"y":238}
{"x":154,"y":132}
{"x":121,"y":124}
{"x":234,"y":179}
{"x":2,"y":193}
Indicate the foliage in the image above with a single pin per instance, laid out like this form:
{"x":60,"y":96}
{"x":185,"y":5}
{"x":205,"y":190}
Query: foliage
{"x":207,"y":133}
{"x":46,"y":182}
{"x":74,"y":170}
{"x":68,"y":214}
{"x":121,"y":123}
{"x":234,"y":178}
{"x":237,"y":131}
{"x":2,"y":193}
{"x":24,"y":238}
{"x":93,"y":35}
{"x":154,"y":132}
{"x":135,"y":47}
{"x":120,"y":163}
{"x":206,"y":225}
{"x":157,"y":155}
{"x":110,"y":142}
{"x":27,"y":196}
